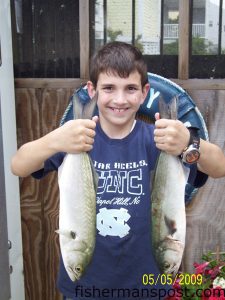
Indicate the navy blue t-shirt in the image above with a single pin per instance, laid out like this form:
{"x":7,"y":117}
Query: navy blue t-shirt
{"x":123,"y":252}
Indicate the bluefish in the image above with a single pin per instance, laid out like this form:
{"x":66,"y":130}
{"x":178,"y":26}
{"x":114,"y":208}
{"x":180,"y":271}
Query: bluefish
{"x":168,"y":205}
{"x":77,"y":208}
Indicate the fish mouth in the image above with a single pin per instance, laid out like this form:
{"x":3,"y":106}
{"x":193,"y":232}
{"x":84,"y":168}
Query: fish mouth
{"x":169,"y":255}
{"x":77,"y":277}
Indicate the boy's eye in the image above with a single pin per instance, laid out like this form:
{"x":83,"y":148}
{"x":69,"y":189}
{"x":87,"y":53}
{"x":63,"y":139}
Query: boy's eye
{"x":108,"y":88}
{"x":132,"y":88}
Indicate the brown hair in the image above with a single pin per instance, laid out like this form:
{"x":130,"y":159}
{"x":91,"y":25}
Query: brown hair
{"x":118,"y":58}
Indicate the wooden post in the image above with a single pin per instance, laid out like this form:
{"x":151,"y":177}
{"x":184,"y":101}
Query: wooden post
{"x":217,"y":252}
{"x":183,"y":57}
{"x":84,"y":38}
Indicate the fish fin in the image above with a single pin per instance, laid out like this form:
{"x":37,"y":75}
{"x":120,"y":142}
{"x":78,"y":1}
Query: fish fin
{"x":62,"y":232}
{"x":186,"y":172}
{"x":94,"y":175}
{"x":168,"y":110}
{"x":171,"y":225}
{"x":81,"y":110}
{"x":152,"y":178}
{"x":153,"y":172}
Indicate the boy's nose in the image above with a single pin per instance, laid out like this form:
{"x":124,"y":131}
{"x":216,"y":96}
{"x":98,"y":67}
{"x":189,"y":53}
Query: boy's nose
{"x":119,"y":98}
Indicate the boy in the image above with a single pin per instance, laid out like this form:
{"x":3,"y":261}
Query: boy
{"x":124,"y":152}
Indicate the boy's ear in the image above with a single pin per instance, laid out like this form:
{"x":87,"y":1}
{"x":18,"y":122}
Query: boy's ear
{"x":145,"y":90}
{"x":91,"y":89}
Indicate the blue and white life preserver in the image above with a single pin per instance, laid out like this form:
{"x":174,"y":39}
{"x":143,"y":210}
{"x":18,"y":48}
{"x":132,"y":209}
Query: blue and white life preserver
{"x":188,"y":112}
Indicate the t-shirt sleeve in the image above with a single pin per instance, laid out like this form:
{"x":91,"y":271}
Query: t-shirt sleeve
{"x":51,"y":164}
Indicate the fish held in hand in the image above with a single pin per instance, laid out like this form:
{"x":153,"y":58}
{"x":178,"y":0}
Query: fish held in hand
{"x":168,"y":207}
{"x":77,"y":208}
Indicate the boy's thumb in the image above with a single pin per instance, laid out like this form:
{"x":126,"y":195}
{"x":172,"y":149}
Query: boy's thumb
{"x":157,"y":116}
{"x":95,"y":119}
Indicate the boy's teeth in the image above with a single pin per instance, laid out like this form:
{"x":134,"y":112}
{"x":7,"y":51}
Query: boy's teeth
{"x":119,"y":109}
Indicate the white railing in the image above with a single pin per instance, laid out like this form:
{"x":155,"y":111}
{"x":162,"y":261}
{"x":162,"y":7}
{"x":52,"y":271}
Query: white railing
{"x":152,"y":48}
{"x":171,"y":31}
{"x":198,"y":30}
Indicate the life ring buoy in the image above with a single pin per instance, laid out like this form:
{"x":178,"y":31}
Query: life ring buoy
{"x":188,"y":112}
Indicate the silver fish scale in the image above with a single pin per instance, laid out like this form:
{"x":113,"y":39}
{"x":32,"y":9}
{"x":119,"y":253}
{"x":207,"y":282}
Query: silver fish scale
{"x":85,"y":205}
{"x":90,"y":196}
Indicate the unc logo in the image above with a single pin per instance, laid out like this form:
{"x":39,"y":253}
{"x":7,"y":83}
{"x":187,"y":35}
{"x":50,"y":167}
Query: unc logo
{"x":113,"y":222}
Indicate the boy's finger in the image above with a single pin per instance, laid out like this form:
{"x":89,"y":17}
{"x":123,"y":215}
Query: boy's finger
{"x":163,"y":123}
{"x":159,"y":132}
{"x":90,"y":132}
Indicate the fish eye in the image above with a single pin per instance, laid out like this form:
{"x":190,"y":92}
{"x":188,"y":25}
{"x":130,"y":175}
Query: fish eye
{"x":78,"y":269}
{"x":166,"y":265}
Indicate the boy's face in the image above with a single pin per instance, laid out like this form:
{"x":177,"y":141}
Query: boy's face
{"x":118,"y":98}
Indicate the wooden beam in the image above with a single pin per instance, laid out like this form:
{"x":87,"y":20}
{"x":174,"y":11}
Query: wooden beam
{"x":52,"y":83}
{"x":201,"y":84}
{"x":84,"y":38}
{"x":183,"y":43}
{"x":73,"y":83}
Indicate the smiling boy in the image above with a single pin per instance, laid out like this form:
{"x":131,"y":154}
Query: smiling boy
{"x":124,"y":152}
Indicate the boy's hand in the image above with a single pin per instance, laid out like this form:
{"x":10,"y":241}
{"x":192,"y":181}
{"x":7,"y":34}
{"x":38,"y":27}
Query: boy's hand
{"x":74,"y":136}
{"x":170,"y":136}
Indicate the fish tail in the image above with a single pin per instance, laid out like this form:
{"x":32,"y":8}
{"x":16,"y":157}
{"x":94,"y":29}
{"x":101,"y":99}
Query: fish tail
{"x":168,"y":110}
{"x":83,"y":110}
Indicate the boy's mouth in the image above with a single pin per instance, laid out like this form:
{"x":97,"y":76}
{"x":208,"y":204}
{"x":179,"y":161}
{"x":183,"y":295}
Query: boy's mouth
{"x":116,"y":109}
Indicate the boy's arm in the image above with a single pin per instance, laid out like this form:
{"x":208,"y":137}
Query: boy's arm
{"x":173,"y":137}
{"x":74,"y":136}
{"x":212,"y":160}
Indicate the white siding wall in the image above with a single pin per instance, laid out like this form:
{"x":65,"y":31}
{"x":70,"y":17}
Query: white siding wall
{"x":120,"y":17}
{"x":212,"y":20}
